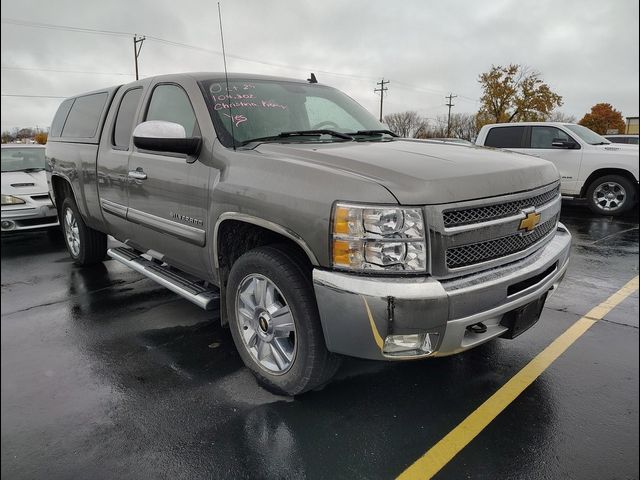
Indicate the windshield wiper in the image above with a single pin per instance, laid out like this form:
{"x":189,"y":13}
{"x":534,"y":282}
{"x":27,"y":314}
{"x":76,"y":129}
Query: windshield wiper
{"x":371,"y":133}
{"x":32,"y":169}
{"x":601,"y":143}
{"x":299,"y":133}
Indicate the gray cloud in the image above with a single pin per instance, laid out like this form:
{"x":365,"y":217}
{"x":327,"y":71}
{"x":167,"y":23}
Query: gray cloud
{"x":586,"y":50}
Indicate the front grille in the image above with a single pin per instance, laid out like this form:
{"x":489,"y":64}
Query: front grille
{"x":454,"y":218}
{"x":500,"y":247}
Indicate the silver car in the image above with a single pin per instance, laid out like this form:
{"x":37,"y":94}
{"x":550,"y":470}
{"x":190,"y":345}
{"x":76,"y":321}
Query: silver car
{"x":26,"y":204}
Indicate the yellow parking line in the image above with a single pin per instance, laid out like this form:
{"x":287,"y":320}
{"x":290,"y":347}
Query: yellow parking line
{"x":447,"y":448}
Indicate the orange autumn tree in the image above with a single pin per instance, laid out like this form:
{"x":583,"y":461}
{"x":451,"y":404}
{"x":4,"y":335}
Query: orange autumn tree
{"x":41,"y":137}
{"x":603,"y":119}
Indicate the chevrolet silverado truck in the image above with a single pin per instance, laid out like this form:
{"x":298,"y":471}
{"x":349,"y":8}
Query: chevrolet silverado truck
{"x":591,"y":167}
{"x":314,"y":231}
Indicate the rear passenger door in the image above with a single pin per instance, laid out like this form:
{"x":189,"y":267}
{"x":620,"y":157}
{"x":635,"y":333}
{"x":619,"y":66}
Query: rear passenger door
{"x":511,"y":138}
{"x":169,"y":205}
{"x":566,"y":160}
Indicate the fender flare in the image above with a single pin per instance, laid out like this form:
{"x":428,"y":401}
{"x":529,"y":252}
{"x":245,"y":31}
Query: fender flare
{"x":274,"y":227}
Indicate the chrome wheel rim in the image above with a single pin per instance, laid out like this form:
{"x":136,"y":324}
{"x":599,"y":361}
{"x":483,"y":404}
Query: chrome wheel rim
{"x":71,"y":232}
{"x":266,"y":324}
{"x":609,"y":196}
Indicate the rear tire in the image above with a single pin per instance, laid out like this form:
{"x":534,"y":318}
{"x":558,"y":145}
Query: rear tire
{"x":610,"y":195}
{"x":85,"y":245}
{"x":275,"y":323}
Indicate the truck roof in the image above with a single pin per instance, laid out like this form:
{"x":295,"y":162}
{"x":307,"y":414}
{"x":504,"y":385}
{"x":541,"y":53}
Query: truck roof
{"x":198,"y":76}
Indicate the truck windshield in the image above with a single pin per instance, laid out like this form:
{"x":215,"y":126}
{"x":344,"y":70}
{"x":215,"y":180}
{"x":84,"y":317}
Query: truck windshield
{"x":588,"y":135}
{"x":21,"y":159}
{"x":262,"y":109}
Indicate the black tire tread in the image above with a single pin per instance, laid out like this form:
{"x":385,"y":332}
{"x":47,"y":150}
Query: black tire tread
{"x":93,"y":244}
{"x":322,"y":364}
{"x":616,"y":178}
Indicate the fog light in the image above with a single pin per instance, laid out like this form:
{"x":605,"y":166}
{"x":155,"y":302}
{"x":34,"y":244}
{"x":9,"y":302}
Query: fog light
{"x":8,"y":225}
{"x":418,"y":344}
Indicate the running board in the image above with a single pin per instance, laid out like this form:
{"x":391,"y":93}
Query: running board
{"x":206,"y":298}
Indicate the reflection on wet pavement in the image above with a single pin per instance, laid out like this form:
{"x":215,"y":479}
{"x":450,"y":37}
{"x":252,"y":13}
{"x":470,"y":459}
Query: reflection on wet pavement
{"x":105,"y":374}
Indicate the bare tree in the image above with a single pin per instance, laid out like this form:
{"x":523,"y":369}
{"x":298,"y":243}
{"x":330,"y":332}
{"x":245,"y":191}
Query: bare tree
{"x":406,"y":124}
{"x":558,"y":116}
{"x":463,"y":125}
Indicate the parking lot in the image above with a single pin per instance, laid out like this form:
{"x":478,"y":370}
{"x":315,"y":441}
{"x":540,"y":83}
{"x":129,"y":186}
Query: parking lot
{"x":106,"y":374}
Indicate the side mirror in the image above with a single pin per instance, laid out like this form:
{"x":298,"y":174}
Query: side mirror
{"x":161,"y":136}
{"x":559,"y":143}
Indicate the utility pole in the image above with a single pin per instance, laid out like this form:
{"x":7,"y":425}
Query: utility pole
{"x":450,"y":97}
{"x":136,"y":49}
{"x":382,"y":89}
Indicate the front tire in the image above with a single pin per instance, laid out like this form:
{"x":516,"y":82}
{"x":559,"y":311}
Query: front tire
{"x":275,"y":323}
{"x":610,"y":195}
{"x":85,"y":245}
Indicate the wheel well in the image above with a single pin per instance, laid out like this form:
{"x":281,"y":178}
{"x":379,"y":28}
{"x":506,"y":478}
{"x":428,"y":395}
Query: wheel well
{"x":607,"y":171}
{"x":61,"y":190}
{"x":236,"y":237}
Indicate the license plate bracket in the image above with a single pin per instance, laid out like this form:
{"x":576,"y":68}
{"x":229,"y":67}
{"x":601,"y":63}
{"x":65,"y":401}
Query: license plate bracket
{"x":523,"y":318}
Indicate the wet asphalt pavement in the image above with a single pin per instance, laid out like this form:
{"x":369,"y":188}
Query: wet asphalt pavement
{"x":105,"y":374}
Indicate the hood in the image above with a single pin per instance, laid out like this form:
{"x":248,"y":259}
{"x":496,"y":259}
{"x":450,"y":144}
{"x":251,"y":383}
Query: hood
{"x":24,"y":183}
{"x":419,"y":172}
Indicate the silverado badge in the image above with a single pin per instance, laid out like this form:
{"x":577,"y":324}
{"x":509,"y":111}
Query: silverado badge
{"x":529,"y":222}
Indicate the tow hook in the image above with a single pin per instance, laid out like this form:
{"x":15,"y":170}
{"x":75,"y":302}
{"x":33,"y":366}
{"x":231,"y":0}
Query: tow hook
{"x":477,"y":328}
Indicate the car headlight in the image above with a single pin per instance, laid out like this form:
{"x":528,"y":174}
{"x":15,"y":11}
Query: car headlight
{"x":378,"y":238}
{"x":11,"y":200}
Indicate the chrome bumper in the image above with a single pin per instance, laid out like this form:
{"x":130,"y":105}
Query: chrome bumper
{"x":31,"y":216}
{"x":359,"y":312}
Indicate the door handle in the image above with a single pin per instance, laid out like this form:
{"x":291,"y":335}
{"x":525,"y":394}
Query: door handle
{"x":138,"y":174}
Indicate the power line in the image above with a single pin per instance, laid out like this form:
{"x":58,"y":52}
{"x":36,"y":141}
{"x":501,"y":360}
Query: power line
{"x":50,"y":26}
{"x":382,"y":89}
{"x":429,"y":90}
{"x":29,"y":69}
{"x":136,"y":50}
{"x":450,"y":97}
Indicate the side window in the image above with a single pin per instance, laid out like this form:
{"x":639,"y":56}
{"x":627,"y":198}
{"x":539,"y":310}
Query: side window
{"x":319,"y":109}
{"x":60,"y":117}
{"x":542,"y":137}
{"x":84,"y":116}
{"x":171,"y":104}
{"x":125,"y":118}
{"x":505,"y":137}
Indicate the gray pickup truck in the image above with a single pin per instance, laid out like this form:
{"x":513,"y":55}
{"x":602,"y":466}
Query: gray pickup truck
{"x":316,"y":232}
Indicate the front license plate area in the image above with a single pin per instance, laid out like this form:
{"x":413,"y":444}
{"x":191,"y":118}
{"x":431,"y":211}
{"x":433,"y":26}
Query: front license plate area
{"x":522,"y":319}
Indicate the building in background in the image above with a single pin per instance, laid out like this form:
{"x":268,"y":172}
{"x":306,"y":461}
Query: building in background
{"x":632,"y":126}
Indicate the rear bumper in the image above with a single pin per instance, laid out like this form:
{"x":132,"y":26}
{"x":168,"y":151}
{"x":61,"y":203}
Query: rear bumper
{"x":358,"y":312}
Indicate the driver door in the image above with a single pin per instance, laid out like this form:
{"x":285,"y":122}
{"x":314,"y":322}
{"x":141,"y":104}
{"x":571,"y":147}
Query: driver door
{"x":168,"y":192}
{"x":566,"y":160}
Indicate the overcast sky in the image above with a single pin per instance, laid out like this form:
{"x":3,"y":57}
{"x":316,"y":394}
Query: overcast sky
{"x":586,"y":50}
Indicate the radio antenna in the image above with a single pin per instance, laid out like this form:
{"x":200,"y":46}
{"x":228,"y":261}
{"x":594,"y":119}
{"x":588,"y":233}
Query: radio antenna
{"x":226,"y":77}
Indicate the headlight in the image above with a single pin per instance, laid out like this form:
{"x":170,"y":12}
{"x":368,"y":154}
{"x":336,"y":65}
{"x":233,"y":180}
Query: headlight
{"x":371,"y":238}
{"x":11,"y":200}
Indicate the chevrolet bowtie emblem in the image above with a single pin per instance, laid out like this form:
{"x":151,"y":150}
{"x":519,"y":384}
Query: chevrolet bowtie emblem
{"x":529,"y":222}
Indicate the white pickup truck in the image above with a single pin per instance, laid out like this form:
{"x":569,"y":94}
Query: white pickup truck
{"x":590,"y":166}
